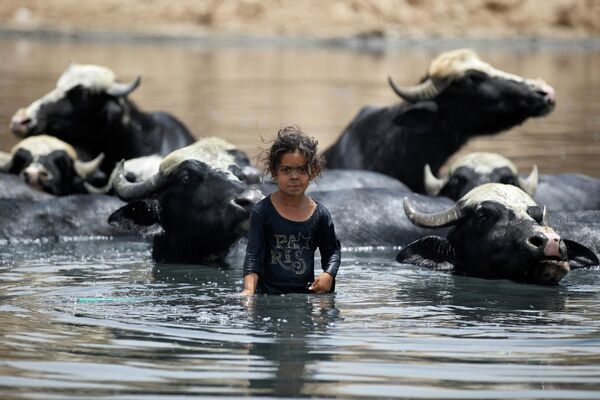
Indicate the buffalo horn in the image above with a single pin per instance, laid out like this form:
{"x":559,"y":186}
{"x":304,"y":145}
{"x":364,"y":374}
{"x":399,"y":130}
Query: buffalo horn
{"x":135,"y":190}
{"x":529,"y":184}
{"x":433,"y":184}
{"x":86,"y":168}
{"x":441,"y":219}
{"x":123,"y":89}
{"x":423,"y":91}
{"x":104,"y":189}
{"x":5,"y":161}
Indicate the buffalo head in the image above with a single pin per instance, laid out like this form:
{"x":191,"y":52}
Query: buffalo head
{"x":200,"y":204}
{"x":51,"y":165}
{"x":480,"y":98}
{"x":82,"y":93}
{"x":476,"y":169}
{"x":498,"y":232}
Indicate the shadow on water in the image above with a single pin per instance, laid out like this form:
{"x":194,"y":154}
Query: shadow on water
{"x":293,"y":321}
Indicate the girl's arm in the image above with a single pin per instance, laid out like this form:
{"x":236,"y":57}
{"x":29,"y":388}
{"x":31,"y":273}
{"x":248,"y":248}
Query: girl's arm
{"x":250,"y":282}
{"x":254,"y":250}
{"x":331,"y":256}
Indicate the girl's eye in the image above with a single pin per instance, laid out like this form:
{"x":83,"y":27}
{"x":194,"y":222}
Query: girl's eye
{"x":285,"y":170}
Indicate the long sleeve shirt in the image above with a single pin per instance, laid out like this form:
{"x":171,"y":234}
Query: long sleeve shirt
{"x":281,"y":251}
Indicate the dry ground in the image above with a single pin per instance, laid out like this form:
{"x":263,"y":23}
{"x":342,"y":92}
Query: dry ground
{"x":311,"y":18}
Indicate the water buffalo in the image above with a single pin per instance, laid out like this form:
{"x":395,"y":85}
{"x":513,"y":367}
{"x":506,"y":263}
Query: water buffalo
{"x":461,"y":97}
{"x":557,"y":192}
{"x":373,"y":217}
{"x":56,"y":218}
{"x":475,"y":169}
{"x":13,"y":187}
{"x":202,"y":207}
{"x":90,"y":110}
{"x":498,"y":232}
{"x":51,"y":165}
{"x":141,"y":168}
{"x":568,"y":192}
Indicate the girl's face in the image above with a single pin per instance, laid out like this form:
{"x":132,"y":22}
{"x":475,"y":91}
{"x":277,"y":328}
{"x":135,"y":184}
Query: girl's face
{"x":292,"y":174}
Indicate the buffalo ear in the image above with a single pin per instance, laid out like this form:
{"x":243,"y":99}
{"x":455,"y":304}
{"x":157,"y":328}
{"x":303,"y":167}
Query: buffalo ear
{"x":136,"y":215}
{"x":431,"y":252}
{"x":579,"y":255}
{"x":20,"y":160}
{"x":417,"y":116}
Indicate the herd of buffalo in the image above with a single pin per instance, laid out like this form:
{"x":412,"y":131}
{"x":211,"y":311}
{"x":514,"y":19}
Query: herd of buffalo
{"x":92,"y":164}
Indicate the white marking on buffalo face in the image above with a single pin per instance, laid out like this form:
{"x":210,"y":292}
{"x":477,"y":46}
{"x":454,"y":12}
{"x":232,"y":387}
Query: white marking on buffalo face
{"x":509,"y":196}
{"x":483,"y":163}
{"x":211,"y":151}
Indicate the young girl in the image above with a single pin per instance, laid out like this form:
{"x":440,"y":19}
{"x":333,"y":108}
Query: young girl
{"x":287,"y":226}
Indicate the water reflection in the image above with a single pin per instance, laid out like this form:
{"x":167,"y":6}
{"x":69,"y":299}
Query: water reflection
{"x":292,"y":321}
{"x":102,"y":319}
{"x":468,"y":301}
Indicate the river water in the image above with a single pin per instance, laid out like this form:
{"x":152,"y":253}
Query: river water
{"x":100,"y":319}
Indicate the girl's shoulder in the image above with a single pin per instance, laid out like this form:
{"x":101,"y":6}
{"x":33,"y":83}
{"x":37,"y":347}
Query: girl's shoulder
{"x":321,"y":210}
{"x":263,"y":206}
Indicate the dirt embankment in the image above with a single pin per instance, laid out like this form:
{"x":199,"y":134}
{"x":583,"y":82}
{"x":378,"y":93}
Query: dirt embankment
{"x":310,"y":18}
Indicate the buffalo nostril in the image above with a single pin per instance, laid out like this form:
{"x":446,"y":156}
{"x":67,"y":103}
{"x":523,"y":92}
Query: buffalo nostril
{"x":538,"y":240}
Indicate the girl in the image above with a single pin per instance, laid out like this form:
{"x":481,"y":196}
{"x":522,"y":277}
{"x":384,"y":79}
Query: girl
{"x":287,"y":226}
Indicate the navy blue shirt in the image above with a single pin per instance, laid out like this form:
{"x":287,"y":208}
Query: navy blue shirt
{"x":282,"y":252}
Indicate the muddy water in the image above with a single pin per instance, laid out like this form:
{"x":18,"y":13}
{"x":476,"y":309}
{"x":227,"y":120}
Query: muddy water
{"x":243,"y":94}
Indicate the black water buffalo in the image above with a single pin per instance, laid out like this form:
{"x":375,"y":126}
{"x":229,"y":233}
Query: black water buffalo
{"x":476,"y":169}
{"x":498,"y":232}
{"x":51,"y":165}
{"x":141,"y":168}
{"x":90,"y":110}
{"x":374,"y":217}
{"x":568,"y":192}
{"x":13,"y":187}
{"x":582,"y":226}
{"x":557,"y":192}
{"x":57,"y":218}
{"x":461,"y":97}
{"x":202,"y":207}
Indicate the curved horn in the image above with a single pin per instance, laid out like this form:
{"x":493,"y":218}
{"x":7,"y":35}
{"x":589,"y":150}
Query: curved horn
{"x":86,"y":168}
{"x":433,"y":184}
{"x":438,"y":220}
{"x":529,"y":184}
{"x":5,"y":161}
{"x":424,"y":91}
{"x":123,"y":89}
{"x":104,"y":189}
{"x":131,"y":191}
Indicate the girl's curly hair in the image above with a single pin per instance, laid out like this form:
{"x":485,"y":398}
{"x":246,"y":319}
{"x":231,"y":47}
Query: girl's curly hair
{"x":288,"y":140}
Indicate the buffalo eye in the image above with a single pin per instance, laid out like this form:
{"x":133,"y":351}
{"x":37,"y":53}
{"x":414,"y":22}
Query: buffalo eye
{"x":457,"y":181}
{"x":185,"y":179}
{"x":45,"y":175}
{"x":475,"y":76}
{"x":484,"y":214}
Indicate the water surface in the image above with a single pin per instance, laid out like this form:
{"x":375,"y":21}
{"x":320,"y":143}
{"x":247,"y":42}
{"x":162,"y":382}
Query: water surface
{"x":100,"y":319}
{"x":245,"y":94}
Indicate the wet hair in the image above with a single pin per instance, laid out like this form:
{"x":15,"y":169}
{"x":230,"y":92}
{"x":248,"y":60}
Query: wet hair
{"x":289,"y":140}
